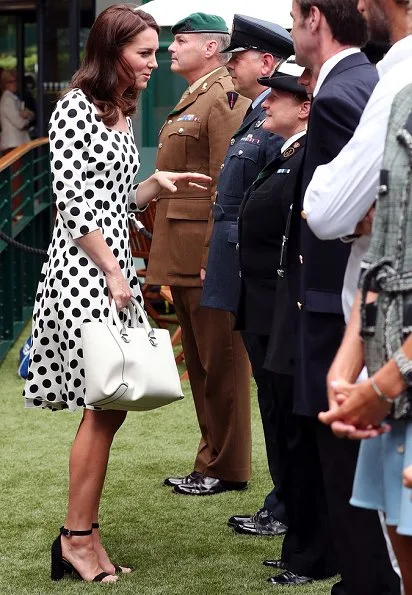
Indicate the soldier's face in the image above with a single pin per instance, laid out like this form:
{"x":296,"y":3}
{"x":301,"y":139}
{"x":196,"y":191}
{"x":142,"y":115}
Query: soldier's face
{"x":244,"y":68}
{"x":376,"y":15}
{"x":282,"y":113}
{"x":185,"y":52}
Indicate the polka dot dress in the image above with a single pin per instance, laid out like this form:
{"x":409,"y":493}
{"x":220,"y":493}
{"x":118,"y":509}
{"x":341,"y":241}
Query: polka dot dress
{"x":93,"y":169}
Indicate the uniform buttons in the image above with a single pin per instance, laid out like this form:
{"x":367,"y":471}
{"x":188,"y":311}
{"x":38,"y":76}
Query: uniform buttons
{"x":299,"y":305}
{"x":216,"y":194}
{"x":180,"y":130}
{"x":303,"y":215}
{"x":170,"y":122}
{"x":237,"y":246}
{"x":156,"y":170}
{"x":232,"y":142}
{"x":300,"y":258}
{"x":401,"y":449}
{"x":240,"y":152}
{"x":222,"y":166}
{"x":160,"y":145}
{"x":240,"y":273}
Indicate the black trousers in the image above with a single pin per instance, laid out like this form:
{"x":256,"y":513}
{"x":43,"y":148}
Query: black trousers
{"x":271,"y":395}
{"x":359,"y":542}
{"x":355,"y":534}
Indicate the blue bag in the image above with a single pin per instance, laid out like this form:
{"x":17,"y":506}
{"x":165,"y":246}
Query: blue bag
{"x":24,"y":357}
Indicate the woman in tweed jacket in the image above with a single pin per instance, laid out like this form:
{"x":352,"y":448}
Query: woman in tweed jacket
{"x":386,"y":329}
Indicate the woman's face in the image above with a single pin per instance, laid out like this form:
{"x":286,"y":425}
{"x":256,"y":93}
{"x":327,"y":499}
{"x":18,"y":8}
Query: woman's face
{"x":141,"y":57}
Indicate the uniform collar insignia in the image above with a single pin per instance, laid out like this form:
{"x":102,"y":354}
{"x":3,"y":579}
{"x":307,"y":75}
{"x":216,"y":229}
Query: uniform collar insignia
{"x":259,"y":123}
{"x":291,"y":150}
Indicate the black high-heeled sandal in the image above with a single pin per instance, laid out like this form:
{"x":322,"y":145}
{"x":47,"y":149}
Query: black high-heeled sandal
{"x":118,"y":569}
{"x":60,"y":566}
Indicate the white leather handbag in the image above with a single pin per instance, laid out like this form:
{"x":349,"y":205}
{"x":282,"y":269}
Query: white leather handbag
{"x":130,"y":368}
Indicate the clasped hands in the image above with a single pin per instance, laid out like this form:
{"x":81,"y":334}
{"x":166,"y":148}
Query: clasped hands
{"x":354,"y":410}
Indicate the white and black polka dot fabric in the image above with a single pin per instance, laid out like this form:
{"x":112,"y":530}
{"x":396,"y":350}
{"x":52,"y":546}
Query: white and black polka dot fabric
{"x":93,"y":168}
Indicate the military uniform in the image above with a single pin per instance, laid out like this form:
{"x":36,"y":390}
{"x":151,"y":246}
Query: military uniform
{"x":251,"y":148}
{"x":195,"y":137}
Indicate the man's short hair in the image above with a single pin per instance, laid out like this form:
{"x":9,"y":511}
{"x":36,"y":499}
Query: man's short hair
{"x":222,"y":40}
{"x":347,"y":24}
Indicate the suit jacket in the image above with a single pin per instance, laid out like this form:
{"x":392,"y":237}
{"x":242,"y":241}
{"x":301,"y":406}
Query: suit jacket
{"x":262,"y":222}
{"x":317,"y":268}
{"x":250,"y":149}
{"x":194,"y":138}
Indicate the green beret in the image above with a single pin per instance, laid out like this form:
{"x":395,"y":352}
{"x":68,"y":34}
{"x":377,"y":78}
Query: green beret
{"x":199,"y":22}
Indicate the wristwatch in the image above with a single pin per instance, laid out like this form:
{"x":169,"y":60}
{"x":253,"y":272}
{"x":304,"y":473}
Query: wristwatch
{"x":404,"y":365}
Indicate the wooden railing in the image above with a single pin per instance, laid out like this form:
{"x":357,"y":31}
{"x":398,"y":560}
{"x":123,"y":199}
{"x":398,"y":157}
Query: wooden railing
{"x":26,"y":218}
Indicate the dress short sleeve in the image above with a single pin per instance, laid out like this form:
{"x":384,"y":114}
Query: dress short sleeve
{"x":70,"y":134}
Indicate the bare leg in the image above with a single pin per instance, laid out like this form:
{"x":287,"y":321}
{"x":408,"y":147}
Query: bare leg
{"x":88,"y":464}
{"x":402,"y":544}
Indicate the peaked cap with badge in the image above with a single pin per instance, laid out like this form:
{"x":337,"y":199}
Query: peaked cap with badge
{"x":286,"y":78}
{"x":251,"y":33}
{"x":200,"y":22}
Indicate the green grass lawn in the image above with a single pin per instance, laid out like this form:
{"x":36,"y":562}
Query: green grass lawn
{"x":177,"y":545}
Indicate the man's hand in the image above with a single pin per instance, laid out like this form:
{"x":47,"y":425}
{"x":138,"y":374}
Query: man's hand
{"x":202,"y":275}
{"x":407,"y":477}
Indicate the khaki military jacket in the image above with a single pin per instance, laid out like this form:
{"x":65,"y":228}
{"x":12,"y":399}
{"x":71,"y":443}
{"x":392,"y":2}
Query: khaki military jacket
{"x":195,"y":138}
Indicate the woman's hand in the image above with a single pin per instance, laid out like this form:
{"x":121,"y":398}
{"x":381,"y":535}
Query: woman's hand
{"x":172,"y":181}
{"x":359,"y":413}
{"x":407,"y":477}
{"x":119,"y":289}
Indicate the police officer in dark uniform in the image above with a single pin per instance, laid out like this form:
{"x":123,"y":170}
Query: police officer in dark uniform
{"x":257,"y":49}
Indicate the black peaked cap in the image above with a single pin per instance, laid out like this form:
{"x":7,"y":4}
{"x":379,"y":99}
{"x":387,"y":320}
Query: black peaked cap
{"x":251,"y":33}
{"x":284,"y":82}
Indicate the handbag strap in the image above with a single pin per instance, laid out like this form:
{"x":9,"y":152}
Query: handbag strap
{"x":134,"y":308}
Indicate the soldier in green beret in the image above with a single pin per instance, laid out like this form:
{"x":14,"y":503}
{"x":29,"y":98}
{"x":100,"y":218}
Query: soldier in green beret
{"x":195,"y":137}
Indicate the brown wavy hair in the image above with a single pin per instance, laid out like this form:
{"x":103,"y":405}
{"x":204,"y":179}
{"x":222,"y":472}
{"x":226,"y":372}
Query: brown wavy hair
{"x":97,"y":76}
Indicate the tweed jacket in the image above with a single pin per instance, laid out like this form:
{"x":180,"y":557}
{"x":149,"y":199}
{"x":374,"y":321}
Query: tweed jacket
{"x":387,"y":266}
{"x":194,"y":138}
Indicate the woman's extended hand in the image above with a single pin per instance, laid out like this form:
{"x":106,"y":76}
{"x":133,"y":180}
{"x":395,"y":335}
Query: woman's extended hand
{"x":119,"y":289}
{"x":172,"y":181}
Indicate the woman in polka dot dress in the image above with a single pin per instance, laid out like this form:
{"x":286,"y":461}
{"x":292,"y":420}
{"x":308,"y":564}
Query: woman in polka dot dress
{"x":94,"y":162}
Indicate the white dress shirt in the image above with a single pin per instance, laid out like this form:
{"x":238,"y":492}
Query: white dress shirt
{"x":13,"y":126}
{"x":330,"y":64}
{"x":342,"y":191}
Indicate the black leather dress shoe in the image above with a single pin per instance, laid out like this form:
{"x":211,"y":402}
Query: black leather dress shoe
{"x":208,"y":486}
{"x":175,"y":481}
{"x":263,"y":523}
{"x":233,"y":521}
{"x":279,"y":564}
{"x":289,"y":578}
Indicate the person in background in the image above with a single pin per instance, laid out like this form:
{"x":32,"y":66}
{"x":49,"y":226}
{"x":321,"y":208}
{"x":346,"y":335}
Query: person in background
{"x":14,"y":119}
{"x":256,"y":47}
{"x":196,"y":135}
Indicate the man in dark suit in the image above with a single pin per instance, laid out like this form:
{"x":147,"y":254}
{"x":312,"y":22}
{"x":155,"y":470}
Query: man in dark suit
{"x":327,"y":36}
{"x":257,"y":47}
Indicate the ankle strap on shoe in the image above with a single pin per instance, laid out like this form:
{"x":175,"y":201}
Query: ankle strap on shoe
{"x":69,"y":532}
{"x":95,"y":526}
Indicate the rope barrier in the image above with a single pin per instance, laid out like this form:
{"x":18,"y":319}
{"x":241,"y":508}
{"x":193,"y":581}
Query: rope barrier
{"x":20,"y":246}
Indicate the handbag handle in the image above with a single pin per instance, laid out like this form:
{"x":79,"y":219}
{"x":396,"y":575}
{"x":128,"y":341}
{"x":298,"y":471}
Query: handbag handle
{"x":134,"y":308}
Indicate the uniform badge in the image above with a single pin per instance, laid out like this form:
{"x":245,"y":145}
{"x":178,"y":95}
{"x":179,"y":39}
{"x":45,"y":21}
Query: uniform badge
{"x":259,"y":123}
{"x":232,"y":97}
{"x":288,"y":153}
